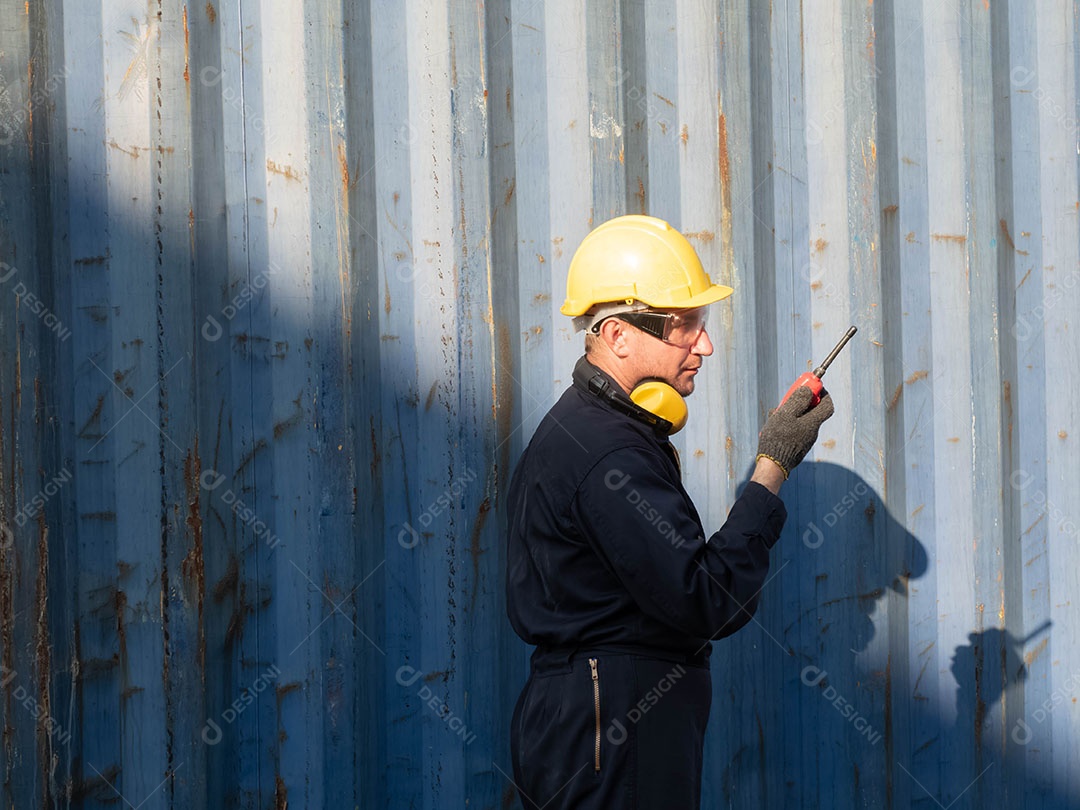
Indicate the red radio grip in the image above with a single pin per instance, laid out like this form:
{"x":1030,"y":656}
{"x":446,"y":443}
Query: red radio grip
{"x":812,"y":381}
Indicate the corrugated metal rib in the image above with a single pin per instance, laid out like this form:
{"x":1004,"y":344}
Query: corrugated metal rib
{"x":279,"y":291}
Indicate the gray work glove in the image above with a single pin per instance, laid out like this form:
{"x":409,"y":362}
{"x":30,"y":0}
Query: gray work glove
{"x":791,"y":429}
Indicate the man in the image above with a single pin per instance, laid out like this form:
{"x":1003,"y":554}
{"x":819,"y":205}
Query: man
{"x":609,"y":572}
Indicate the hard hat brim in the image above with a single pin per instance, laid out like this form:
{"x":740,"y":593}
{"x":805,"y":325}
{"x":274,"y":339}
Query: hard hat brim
{"x":717,"y":292}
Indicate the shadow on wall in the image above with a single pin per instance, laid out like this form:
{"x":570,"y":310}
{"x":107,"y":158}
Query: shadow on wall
{"x":842,"y":656}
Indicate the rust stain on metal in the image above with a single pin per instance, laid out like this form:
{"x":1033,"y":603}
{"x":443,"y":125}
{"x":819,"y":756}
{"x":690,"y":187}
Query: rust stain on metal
{"x":92,"y":667}
{"x":211,"y":14}
{"x":120,"y":605}
{"x":42,"y":654}
{"x":134,"y":151}
{"x":7,"y":618}
{"x":229,"y":581}
{"x":104,"y":516}
{"x":193,"y":567}
{"x":284,"y":689}
{"x":288,"y":172}
{"x":667,"y":101}
{"x":896,"y":396}
{"x":818,"y":245}
{"x":704,"y":236}
{"x":281,"y":794}
{"x":870,"y":596}
{"x":1029,"y":658}
{"x":241,"y":608}
{"x":957,"y":238}
{"x":918,"y":375}
{"x":890,"y":209}
{"x":725,"y":188}
{"x":684,"y":134}
{"x":462,"y":219}
{"x":1038,"y":520}
{"x":343,"y":167}
{"x":95,"y":415}
{"x":1006,"y":395}
{"x":375,"y":455}
{"x":30,"y":109}
{"x":1008,"y":237}
{"x":187,"y":50}
{"x":259,"y":445}
{"x":281,"y":427}
{"x":102,"y":780}
{"x":980,"y":704}
{"x":474,"y":546}
{"x":509,"y":191}
{"x":397,"y":228}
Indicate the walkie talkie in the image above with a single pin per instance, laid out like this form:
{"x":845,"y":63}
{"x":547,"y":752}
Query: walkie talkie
{"x":812,"y":379}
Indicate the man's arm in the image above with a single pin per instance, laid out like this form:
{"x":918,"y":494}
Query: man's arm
{"x":769,"y":475}
{"x":631,"y":509}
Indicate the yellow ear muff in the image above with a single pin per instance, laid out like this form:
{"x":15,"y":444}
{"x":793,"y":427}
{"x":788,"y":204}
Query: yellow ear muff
{"x":664,"y":401}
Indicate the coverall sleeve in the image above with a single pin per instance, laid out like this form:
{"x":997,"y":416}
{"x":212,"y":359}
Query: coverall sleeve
{"x":646,"y":527}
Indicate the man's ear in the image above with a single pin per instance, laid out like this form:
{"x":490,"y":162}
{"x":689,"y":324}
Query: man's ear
{"x":616,"y":335}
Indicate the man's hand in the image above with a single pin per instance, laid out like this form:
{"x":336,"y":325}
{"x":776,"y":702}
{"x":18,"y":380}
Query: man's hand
{"x":792,"y":429}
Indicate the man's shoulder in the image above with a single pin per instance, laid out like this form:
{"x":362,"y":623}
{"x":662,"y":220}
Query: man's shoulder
{"x":580,"y":425}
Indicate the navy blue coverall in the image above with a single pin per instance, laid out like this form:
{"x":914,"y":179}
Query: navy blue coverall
{"x":611,"y":577}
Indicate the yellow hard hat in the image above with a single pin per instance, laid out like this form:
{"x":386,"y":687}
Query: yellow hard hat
{"x":638,"y":258}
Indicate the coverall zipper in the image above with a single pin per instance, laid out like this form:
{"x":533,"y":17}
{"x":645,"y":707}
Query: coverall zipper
{"x":596,"y":701}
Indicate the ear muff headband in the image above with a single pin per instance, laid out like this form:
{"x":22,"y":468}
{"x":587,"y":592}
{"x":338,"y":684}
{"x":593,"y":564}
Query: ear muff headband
{"x":655,"y":403}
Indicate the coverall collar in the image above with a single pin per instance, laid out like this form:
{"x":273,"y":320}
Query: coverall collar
{"x":594,"y":380}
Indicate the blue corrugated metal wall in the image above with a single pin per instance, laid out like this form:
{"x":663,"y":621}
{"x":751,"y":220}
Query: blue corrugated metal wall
{"x":278,"y":312}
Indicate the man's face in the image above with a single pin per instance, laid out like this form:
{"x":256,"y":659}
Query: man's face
{"x":676,"y":361}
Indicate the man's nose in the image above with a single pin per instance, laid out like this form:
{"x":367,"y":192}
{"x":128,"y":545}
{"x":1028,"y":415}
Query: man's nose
{"x":703,"y":346}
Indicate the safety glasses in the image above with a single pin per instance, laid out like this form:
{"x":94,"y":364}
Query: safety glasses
{"x":682,"y":329}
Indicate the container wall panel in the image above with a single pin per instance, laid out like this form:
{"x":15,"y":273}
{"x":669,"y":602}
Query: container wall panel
{"x":279,"y":311}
